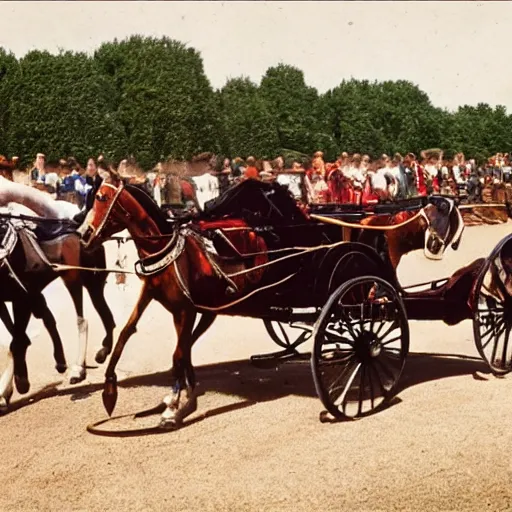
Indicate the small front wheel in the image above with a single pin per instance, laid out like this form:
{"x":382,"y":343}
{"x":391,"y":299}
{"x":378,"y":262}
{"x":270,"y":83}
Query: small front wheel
{"x":284,"y":339}
{"x":361,"y":341}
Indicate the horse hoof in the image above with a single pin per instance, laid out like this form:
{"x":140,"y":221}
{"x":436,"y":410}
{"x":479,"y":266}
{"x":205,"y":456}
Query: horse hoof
{"x":109,"y":397}
{"x":78,"y":374}
{"x":22,"y":385}
{"x":101,"y":355}
{"x":61,"y":368}
{"x":169,"y":424}
{"x":4,"y":405}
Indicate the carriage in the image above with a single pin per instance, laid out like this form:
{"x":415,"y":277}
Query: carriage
{"x":345,"y":298}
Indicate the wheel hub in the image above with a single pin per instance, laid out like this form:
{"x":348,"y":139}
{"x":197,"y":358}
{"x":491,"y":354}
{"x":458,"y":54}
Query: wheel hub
{"x":367,"y":346}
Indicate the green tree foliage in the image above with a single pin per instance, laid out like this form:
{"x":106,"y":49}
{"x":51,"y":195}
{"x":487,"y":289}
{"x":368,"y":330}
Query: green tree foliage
{"x":248,"y":127}
{"x":381,"y":117}
{"x":8,"y":70}
{"x":480,"y":131}
{"x":164,"y":100}
{"x":150,"y":98}
{"x":295,"y":109}
{"x":61,"y":105}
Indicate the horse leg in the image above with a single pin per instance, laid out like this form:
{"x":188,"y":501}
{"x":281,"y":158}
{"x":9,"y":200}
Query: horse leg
{"x":74,"y":285}
{"x":19,"y":345}
{"x":6,"y":388}
{"x":41,"y":310}
{"x":204,"y":324}
{"x":95,"y":285}
{"x":109,"y":394}
{"x":183,"y":371}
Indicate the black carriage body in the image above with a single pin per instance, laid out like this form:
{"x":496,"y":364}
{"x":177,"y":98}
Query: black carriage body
{"x":306,"y":277}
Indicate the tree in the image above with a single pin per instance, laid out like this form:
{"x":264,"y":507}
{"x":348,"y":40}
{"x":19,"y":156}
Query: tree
{"x":480,"y":131}
{"x":248,"y":127}
{"x":163,"y":98}
{"x":295,"y":108}
{"x":382,"y":117}
{"x":61,"y":106}
{"x":8,"y":69}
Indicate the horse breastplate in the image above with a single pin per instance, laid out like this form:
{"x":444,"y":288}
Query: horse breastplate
{"x":158,"y":262}
{"x":8,"y":242}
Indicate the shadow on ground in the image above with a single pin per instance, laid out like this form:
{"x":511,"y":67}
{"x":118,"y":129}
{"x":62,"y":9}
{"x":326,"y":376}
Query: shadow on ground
{"x":242,"y":379}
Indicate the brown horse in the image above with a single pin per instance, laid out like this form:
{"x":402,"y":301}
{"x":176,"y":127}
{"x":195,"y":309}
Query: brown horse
{"x":416,"y":231}
{"x":174,"y":268}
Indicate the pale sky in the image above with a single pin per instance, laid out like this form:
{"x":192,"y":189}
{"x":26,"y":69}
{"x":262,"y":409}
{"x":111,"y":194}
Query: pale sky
{"x":457,"y":52}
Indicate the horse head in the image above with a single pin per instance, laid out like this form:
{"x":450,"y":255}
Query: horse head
{"x":117,"y":207}
{"x":105,"y":218}
{"x":444,"y":226}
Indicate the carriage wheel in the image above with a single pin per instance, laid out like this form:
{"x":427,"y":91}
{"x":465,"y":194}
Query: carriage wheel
{"x":492,"y":322}
{"x":283,"y":339}
{"x":361,"y":341}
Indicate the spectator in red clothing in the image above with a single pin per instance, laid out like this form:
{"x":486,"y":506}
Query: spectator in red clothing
{"x":251,"y":172}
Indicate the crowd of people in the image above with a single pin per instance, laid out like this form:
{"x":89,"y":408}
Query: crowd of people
{"x":351,"y":179}
{"x":358,"y":179}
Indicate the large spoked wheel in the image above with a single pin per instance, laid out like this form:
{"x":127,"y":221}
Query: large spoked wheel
{"x":284,"y":339}
{"x":492,"y":320}
{"x":361,"y":341}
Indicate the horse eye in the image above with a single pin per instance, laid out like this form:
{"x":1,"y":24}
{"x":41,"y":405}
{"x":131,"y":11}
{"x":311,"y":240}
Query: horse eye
{"x":101,"y":198}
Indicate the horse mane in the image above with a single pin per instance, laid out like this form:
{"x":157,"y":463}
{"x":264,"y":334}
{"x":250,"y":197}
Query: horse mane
{"x":149,"y":205}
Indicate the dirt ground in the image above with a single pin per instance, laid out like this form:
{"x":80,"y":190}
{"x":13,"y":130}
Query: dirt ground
{"x":442,"y":445}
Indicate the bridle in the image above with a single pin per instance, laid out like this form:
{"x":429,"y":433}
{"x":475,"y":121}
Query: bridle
{"x":97,"y":231}
{"x":433,"y":232}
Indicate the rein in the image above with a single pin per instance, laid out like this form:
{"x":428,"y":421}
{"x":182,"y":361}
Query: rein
{"x":337,"y":222}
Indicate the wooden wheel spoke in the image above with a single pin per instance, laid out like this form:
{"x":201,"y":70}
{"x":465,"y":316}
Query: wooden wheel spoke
{"x":394,"y":325}
{"x":285,"y":335}
{"x":494,"y":334}
{"x":393,"y":359}
{"x":350,"y":381}
{"x":379,"y":380}
{"x":492,"y":294}
{"x":491,"y":310}
{"x":334,"y":385}
{"x":385,"y":369}
{"x":392,"y":340}
{"x":492,"y":328}
{"x":339,"y":338}
{"x":348,"y":323}
{"x":345,"y":358}
{"x":372,"y":394}
{"x":361,"y":391}
{"x":505,"y":347}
